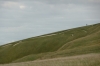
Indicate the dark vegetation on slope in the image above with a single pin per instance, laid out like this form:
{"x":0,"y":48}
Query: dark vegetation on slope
{"x":70,"y":42}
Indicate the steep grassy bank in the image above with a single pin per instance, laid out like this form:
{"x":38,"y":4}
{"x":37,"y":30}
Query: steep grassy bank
{"x":81,"y":40}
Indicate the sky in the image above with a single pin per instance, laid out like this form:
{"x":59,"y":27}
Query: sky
{"x":21,"y":19}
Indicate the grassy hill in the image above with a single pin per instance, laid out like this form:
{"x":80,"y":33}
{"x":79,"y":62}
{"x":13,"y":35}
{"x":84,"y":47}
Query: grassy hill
{"x":71,"y":42}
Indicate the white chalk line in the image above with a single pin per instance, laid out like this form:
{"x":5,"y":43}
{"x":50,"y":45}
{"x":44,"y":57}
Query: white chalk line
{"x":6,"y":45}
{"x":17,"y":43}
{"x":48,"y":35}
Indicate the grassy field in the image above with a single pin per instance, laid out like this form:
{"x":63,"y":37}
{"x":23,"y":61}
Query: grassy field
{"x":66,"y":43}
{"x":80,"y":60}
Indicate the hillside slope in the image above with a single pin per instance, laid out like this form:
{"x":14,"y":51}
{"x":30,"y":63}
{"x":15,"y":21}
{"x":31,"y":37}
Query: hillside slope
{"x":76,"y":41}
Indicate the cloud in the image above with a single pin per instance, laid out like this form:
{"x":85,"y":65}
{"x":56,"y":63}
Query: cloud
{"x":20,"y":19}
{"x":11,"y":4}
{"x":22,"y":7}
{"x":95,"y":1}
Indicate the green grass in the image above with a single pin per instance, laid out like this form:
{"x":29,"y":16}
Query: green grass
{"x":60,"y":45}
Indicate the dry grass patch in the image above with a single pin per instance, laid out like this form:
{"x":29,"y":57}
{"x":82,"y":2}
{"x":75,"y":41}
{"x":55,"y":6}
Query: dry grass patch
{"x":81,"y":60}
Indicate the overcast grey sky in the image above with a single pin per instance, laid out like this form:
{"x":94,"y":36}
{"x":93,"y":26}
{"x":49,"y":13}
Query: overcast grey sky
{"x":20,"y":19}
